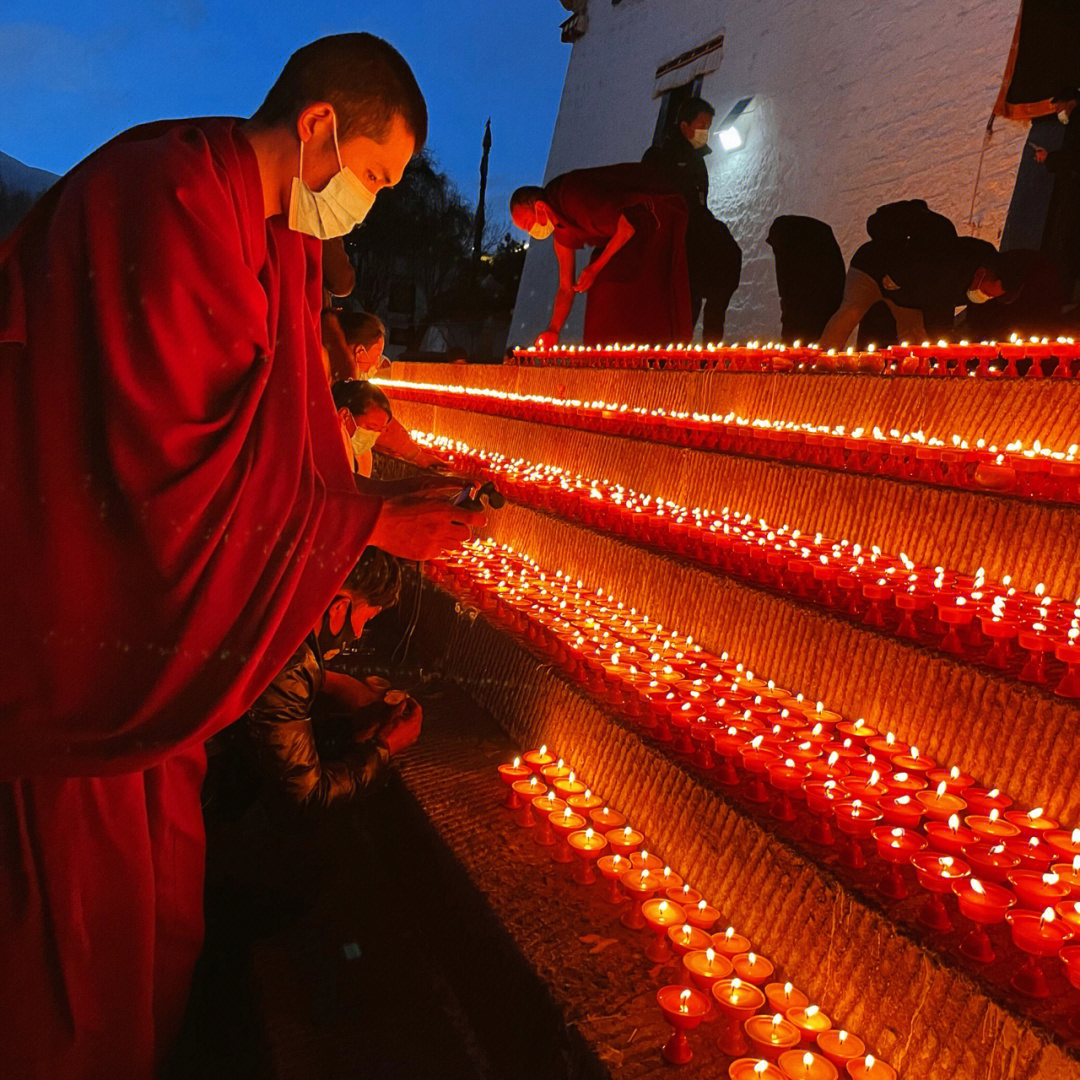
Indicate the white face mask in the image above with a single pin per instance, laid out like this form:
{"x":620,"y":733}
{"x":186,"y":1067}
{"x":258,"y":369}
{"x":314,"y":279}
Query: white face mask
{"x":977,"y":296}
{"x":334,"y":211}
{"x":541,"y":232}
{"x":363,"y":440}
{"x":1063,"y":116}
{"x":700,"y":138}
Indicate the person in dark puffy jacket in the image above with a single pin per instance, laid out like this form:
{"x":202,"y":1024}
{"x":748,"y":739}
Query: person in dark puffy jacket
{"x":291,"y":749}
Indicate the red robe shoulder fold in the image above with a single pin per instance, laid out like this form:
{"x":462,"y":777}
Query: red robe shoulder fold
{"x":178,"y":509}
{"x":643,"y":294}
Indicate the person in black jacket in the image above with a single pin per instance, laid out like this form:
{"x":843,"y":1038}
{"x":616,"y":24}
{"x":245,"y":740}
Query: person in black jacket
{"x":713,"y":257}
{"x":291,"y":751}
{"x":915,"y":262}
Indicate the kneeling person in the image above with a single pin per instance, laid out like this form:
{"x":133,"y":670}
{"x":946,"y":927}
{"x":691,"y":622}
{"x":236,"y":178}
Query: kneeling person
{"x":280,"y":721}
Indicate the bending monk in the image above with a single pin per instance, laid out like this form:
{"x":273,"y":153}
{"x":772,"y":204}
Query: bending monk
{"x":637,"y":283}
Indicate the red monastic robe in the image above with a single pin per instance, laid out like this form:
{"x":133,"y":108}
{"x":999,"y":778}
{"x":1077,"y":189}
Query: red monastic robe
{"x":643,"y":294}
{"x":177,"y":513}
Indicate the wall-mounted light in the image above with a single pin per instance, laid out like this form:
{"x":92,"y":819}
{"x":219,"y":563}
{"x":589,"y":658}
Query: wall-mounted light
{"x":731,"y":138}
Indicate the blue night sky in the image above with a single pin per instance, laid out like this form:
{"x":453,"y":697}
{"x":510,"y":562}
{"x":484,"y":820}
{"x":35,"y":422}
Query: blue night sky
{"x":73,"y":73}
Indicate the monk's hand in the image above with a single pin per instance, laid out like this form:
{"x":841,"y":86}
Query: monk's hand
{"x":421,"y":526}
{"x":547,"y":339}
{"x":586,"y":279}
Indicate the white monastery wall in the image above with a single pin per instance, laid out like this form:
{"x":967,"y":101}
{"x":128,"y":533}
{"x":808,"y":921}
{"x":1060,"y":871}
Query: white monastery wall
{"x":856,"y":103}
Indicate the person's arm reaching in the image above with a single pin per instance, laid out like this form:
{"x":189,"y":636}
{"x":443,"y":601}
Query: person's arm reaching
{"x":564,"y":296}
{"x":624,"y":232}
{"x":418,"y":527}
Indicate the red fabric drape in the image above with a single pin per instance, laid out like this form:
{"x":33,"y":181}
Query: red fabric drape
{"x":177,"y":506}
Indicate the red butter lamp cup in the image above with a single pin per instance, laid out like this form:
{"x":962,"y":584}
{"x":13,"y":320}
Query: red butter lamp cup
{"x":990,"y":862}
{"x":730,"y":944}
{"x":936,"y":874}
{"x":612,"y":868}
{"x":784,"y":996}
{"x":984,"y":904}
{"x":639,"y":885}
{"x":563,"y":823}
{"x":1070,"y":959}
{"x":701,"y":915}
{"x":752,"y":968}
{"x":756,"y":760}
{"x":587,"y":846}
{"x":949,"y":837}
{"x":624,"y":841}
{"x":1037,"y":891}
{"x":509,"y":775}
{"x":527,"y":790}
{"x":895,"y":846}
{"x":770,"y":1036}
{"x":683,"y":1008}
{"x":940,"y":804}
{"x":869,"y":1068}
{"x":706,"y":967}
{"x":806,"y":1065}
{"x":686,"y":939}
{"x":856,"y":820}
{"x":754,"y":1069}
{"x":810,"y":1022}
{"x":991,"y":827}
{"x":786,"y":777}
{"x":822,"y":796}
{"x":1038,"y":936}
{"x":840,"y":1046}
{"x":736,"y":1001}
{"x":1065,"y":846}
{"x":543,"y":807}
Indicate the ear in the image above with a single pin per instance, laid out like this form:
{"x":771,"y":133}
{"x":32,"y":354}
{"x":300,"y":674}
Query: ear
{"x":315,"y":116}
{"x":335,"y":616}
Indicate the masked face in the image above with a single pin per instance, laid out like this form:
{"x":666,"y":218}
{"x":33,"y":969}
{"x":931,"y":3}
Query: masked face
{"x":541,"y":230}
{"x":336,"y":210}
{"x":1063,"y":115}
{"x":335,"y":630}
{"x":699,"y":138}
{"x":977,"y":296}
{"x":363,"y":441}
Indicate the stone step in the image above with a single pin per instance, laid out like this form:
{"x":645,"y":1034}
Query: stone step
{"x":872,"y":971}
{"x":1032,"y":542}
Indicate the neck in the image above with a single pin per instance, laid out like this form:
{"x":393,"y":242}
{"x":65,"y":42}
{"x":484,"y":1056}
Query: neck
{"x":276,"y":153}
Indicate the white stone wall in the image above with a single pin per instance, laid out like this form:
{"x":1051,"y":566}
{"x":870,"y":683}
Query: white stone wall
{"x":856,"y":103}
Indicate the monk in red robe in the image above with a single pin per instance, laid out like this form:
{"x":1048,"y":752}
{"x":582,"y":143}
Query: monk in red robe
{"x":636,"y":282}
{"x":179,"y":512}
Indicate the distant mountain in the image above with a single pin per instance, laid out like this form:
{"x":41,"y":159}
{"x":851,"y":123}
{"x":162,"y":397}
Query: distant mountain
{"x":15,"y":176}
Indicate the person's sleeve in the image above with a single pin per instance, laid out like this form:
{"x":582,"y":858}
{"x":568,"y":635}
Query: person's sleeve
{"x":281,"y":727}
{"x":289,"y":758}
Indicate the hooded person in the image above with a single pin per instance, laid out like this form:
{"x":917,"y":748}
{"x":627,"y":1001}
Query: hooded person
{"x":181,"y":512}
{"x":809,"y":275}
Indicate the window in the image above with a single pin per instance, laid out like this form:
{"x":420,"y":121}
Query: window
{"x":669,"y":106}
